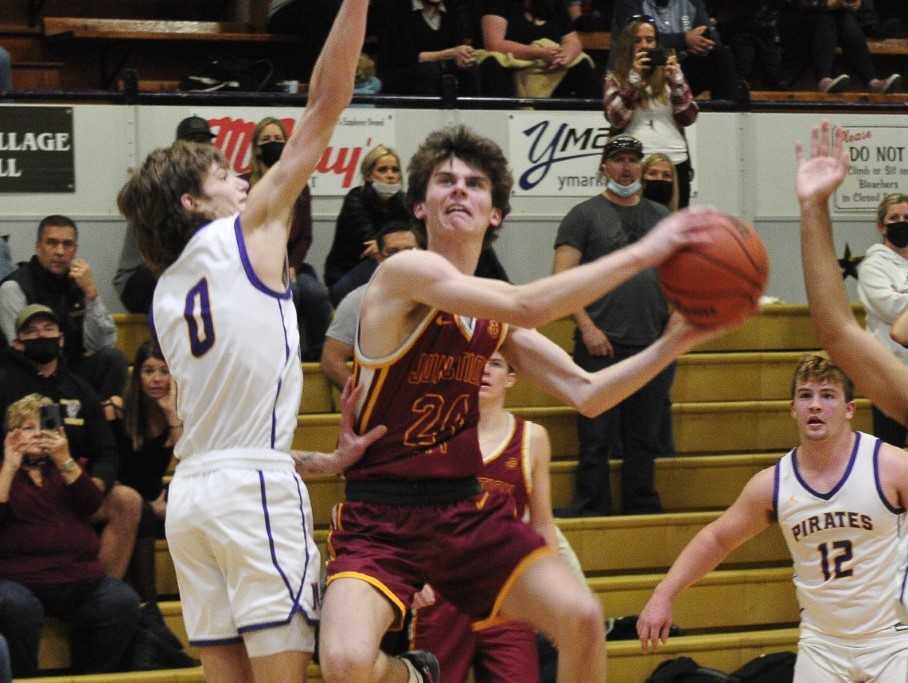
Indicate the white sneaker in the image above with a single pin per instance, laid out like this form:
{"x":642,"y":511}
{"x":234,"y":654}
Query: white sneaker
{"x":891,"y":84}
{"x":834,"y":85}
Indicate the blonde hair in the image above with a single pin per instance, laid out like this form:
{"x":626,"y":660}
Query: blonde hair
{"x":371,"y":159}
{"x":656,"y":158}
{"x":655,"y":84}
{"x":813,"y":367}
{"x":25,"y":409}
{"x":888,"y":202}
{"x":365,"y":68}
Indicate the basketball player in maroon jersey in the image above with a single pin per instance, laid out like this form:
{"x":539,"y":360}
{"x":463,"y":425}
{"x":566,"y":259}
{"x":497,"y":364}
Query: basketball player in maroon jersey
{"x":415,"y":512}
{"x":516,"y":455}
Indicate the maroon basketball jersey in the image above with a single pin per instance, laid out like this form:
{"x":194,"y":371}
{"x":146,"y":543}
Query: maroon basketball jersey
{"x":508,"y":469}
{"x":426,"y":395}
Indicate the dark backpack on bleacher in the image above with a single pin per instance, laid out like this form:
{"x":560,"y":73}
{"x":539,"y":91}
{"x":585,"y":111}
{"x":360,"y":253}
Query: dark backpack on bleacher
{"x":775,"y":668}
{"x":686,"y":670}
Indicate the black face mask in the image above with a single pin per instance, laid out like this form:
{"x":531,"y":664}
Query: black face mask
{"x":660,"y":191}
{"x":897,"y":233}
{"x":42,"y":349}
{"x":271,"y":153}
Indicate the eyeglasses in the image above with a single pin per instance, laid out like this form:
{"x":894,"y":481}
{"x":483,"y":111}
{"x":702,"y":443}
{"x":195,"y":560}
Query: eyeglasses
{"x":645,"y":18}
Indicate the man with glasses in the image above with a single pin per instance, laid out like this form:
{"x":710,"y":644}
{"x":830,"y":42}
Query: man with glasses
{"x":685,"y":26}
{"x":56,"y":277}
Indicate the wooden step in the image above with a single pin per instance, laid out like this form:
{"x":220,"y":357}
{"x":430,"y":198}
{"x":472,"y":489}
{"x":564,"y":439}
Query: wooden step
{"x":726,"y":652}
{"x":37,"y":75}
{"x":704,"y":427}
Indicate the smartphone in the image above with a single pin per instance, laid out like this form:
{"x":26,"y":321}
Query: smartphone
{"x":50,"y":417}
{"x":657,"y":57}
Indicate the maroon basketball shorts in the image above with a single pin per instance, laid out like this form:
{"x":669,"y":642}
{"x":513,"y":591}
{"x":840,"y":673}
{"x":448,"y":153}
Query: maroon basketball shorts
{"x":502,"y":653}
{"x":471,"y":551}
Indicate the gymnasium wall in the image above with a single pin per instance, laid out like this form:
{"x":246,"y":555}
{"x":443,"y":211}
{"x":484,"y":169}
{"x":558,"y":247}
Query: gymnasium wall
{"x":744,"y":165}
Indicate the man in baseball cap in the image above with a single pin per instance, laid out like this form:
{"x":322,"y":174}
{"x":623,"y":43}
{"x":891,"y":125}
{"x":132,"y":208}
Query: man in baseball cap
{"x":622,"y":143}
{"x":194,"y":129}
{"x":33,"y":311}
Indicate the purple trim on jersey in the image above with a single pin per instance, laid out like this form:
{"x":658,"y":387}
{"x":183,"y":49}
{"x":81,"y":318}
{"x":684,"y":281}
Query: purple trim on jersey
{"x":247,"y":266}
{"x":295,"y":598}
{"x":879,"y":486}
{"x":216,"y":641}
{"x":274,"y":624}
{"x":776,"y":477}
{"x":835,"y":489}
{"x":277,"y":395}
{"x":904,"y":580}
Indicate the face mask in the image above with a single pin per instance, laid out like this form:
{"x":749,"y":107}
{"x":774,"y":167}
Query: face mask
{"x":623,"y":190}
{"x":897,"y":233}
{"x":660,"y":191}
{"x":385,"y":190}
{"x":42,"y":349}
{"x":271,"y":153}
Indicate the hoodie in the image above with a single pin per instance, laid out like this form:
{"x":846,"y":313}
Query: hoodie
{"x":883,"y":289}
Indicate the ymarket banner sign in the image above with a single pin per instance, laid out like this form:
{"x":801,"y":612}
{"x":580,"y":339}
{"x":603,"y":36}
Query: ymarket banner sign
{"x":357,"y":131}
{"x":36,"y":150}
{"x":557,"y":153}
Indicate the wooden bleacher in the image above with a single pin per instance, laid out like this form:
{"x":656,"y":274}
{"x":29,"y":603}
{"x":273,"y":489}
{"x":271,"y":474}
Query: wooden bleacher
{"x":731,"y":420}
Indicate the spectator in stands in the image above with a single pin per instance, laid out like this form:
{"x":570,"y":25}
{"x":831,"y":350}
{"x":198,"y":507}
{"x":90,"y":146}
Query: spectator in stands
{"x":538,"y":31}
{"x":818,"y":27}
{"x":420,"y":42}
{"x":6,"y":71}
{"x":366,"y":82}
{"x":339,"y":339}
{"x":365,"y":208}
{"x":882,"y":275}
{"x":57,"y":278}
{"x":34,"y":364}
{"x":309,"y":295}
{"x":618,"y":326}
{"x":394,"y":235}
{"x":651,"y":103}
{"x":49,"y":551}
{"x":660,"y":183}
{"x":685,"y":26}
{"x":311,"y":20}
{"x":752,"y":31}
{"x":133,"y":280}
{"x":145,"y":438}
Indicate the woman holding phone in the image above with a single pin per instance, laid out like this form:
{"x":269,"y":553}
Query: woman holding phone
{"x":647,"y":96}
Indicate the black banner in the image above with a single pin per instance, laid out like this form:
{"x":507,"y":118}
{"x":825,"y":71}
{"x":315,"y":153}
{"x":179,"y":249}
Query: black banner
{"x":36,"y":149}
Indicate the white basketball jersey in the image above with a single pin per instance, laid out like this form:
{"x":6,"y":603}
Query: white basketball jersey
{"x":848,"y":547}
{"x":231,"y":343}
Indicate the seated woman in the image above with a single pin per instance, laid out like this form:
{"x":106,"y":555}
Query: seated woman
{"x":366,"y":207}
{"x":515,"y":28}
{"x":418,"y":44}
{"x":818,"y":27}
{"x":49,"y":550}
{"x":660,"y":183}
{"x":310,"y":296}
{"x":652,"y":103}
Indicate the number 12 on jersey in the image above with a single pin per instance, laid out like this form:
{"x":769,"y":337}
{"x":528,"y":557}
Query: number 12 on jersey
{"x":837,"y":556}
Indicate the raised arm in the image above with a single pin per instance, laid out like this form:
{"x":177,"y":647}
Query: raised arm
{"x":549,"y":367}
{"x":330,"y":90}
{"x":750,"y":514}
{"x":876,"y":372}
{"x":423,"y":277}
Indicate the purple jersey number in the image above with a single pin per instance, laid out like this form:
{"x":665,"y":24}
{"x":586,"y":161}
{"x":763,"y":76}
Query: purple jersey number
{"x":198,"y":297}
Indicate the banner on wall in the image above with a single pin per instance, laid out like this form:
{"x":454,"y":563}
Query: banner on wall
{"x":36,"y":150}
{"x":357,"y":131}
{"x":878,"y":166}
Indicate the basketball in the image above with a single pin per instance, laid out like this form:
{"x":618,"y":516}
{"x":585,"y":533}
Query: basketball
{"x":712,"y":284}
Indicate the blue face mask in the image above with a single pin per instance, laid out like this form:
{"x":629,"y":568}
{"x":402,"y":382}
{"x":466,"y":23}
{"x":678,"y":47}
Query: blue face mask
{"x":623,"y":190}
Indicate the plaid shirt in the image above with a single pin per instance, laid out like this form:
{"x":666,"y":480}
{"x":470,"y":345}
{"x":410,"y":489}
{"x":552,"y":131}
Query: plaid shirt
{"x":621,"y":100}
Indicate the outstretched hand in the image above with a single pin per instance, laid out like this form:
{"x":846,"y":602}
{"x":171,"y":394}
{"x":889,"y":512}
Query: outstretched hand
{"x":350,"y":445}
{"x":824,"y":169}
{"x":685,"y":228}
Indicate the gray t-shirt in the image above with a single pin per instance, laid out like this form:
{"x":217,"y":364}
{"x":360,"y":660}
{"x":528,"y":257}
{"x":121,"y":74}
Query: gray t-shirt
{"x":635,"y":313}
{"x":343,"y":325}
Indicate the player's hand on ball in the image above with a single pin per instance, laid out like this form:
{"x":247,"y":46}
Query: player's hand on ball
{"x":826,"y":166}
{"x":654,"y":623}
{"x":685,"y":228}
{"x":350,"y":445}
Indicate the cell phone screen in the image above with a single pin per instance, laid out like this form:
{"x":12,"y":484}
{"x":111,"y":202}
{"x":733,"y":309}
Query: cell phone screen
{"x":50,"y":417}
{"x":657,"y":57}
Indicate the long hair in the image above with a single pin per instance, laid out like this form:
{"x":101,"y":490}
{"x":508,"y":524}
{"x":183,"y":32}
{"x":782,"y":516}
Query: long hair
{"x":657,"y":157}
{"x":473,"y":149}
{"x":655,"y":85}
{"x":258,"y":165}
{"x":137,"y":407}
{"x":151,"y":199}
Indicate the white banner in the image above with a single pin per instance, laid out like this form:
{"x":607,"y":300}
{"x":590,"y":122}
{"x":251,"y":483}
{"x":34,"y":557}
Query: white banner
{"x":878,"y":166}
{"x":557,"y":153}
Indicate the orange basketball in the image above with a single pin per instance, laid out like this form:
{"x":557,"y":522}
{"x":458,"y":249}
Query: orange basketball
{"x":715,"y":283}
